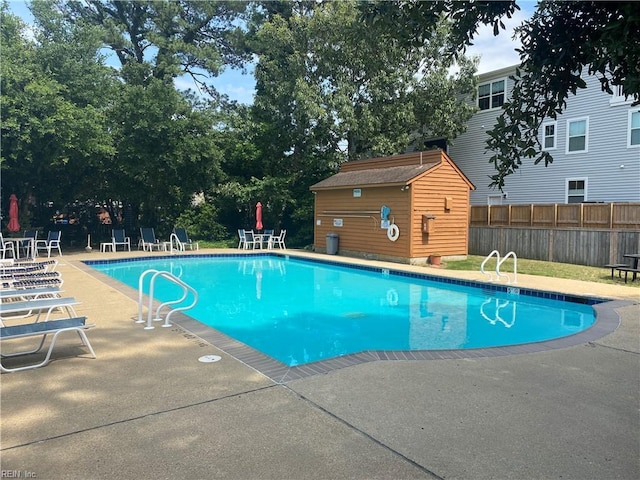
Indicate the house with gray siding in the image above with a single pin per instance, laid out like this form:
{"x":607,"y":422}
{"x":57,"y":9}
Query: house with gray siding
{"x":595,"y":144}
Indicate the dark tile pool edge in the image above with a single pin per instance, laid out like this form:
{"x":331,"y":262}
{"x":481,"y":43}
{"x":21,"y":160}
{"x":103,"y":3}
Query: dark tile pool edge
{"x":607,"y":321}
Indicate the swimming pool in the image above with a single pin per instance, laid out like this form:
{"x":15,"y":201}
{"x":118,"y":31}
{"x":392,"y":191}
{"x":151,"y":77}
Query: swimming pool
{"x":299,"y":311}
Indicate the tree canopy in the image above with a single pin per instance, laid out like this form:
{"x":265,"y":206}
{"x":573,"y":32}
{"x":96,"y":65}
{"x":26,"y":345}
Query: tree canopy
{"x":90,"y":106}
{"x":561,"y":40}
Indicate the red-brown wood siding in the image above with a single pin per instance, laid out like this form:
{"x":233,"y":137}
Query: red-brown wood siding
{"x":361,"y":231}
{"x":450,"y":229}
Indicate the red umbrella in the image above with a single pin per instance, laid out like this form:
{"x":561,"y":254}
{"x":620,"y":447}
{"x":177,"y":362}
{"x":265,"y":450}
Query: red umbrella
{"x":13,"y":224}
{"x":258,"y":216}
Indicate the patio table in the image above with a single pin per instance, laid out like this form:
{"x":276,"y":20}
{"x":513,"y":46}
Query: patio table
{"x":18,"y":240}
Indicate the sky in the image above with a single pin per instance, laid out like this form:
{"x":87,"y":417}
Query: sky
{"x":494,"y":52}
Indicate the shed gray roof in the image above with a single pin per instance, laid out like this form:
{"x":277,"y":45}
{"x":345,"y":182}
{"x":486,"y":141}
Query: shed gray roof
{"x":374,"y":176}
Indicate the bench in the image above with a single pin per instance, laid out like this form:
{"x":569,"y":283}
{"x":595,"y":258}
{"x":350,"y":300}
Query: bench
{"x":53,"y":327}
{"x":615,"y":266}
{"x":626,"y":269}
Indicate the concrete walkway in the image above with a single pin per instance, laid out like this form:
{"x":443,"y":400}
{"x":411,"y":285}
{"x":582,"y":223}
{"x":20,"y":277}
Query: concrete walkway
{"x":146,"y":408}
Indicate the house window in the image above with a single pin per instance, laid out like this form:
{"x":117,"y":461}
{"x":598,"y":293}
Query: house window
{"x":634,"y":128}
{"x":577,"y":135}
{"x":491,"y":95}
{"x":618,"y":97}
{"x":576,"y":190}
{"x":549,"y":136}
{"x":494,"y":199}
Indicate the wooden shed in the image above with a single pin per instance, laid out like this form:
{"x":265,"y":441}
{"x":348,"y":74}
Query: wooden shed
{"x":402,"y":208}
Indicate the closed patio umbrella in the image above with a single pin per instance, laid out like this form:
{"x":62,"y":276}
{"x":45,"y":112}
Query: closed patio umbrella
{"x":259,"y":216}
{"x":13,"y":225}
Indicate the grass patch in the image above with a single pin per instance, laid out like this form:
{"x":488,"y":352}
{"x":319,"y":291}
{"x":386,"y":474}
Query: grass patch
{"x":544,"y":269}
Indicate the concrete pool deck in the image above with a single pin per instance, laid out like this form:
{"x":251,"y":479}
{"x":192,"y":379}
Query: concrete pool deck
{"x":147,"y":408}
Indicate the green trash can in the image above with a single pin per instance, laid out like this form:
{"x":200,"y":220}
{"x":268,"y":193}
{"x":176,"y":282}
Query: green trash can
{"x":332,"y":243}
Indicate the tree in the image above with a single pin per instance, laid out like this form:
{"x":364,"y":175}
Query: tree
{"x":53,"y":110}
{"x":561,"y":40}
{"x":166,"y":39}
{"x":331,"y":88}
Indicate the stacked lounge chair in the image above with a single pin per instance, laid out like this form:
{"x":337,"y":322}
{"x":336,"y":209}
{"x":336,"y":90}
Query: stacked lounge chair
{"x":32,"y":305}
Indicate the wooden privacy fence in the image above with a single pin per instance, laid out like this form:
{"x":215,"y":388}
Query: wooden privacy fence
{"x":585,"y":246}
{"x":573,"y":215}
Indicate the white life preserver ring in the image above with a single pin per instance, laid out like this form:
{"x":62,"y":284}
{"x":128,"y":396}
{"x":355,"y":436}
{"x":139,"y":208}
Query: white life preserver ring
{"x":392,"y":297}
{"x":393,"y":232}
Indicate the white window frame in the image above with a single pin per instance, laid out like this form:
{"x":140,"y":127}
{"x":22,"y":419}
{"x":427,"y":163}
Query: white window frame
{"x":629,"y":129}
{"x":495,"y":199}
{"x":490,"y":83}
{"x":543,"y":140}
{"x":586,"y":135}
{"x":576,"y":179}
{"x":618,"y":97}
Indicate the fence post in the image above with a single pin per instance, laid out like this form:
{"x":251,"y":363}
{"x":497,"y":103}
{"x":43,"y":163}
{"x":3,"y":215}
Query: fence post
{"x":611,"y":215}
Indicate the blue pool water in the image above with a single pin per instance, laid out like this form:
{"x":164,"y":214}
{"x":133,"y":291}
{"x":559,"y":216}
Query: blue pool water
{"x":299,"y":311}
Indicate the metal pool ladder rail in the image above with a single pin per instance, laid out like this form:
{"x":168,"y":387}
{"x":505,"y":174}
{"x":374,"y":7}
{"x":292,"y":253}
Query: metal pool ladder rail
{"x":172,"y":278}
{"x":499,"y":262}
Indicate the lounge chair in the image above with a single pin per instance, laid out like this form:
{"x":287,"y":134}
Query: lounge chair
{"x":38,"y":307}
{"x":118,"y":237}
{"x":148,"y":240}
{"x":184,"y":239}
{"x":52,"y":241}
{"x":53,"y":327}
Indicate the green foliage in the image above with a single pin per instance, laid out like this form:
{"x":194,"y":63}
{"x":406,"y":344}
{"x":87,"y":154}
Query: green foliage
{"x":560,"y":41}
{"x":201,"y":222}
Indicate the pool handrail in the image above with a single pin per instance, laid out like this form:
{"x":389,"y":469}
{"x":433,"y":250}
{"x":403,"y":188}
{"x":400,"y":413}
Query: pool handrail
{"x":500,"y":261}
{"x":169,"y":276}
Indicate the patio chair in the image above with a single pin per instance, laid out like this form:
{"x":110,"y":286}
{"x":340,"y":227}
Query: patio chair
{"x":118,"y":237}
{"x":148,"y":240}
{"x":251,"y":240}
{"x":6,"y":247}
{"x":25,"y":246}
{"x":184,"y":239}
{"x":52,"y":241}
{"x":266,"y":237}
{"x":278,"y":240}
{"x":242,"y":238}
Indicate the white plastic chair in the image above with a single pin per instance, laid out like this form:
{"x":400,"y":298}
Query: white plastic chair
{"x":242,"y":237}
{"x":278,"y":240}
{"x":251,"y":241}
{"x":118,"y":237}
{"x":6,"y":246}
{"x":52,"y":241}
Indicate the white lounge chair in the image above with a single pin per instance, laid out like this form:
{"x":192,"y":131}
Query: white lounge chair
{"x":184,"y":239}
{"x":148,"y":240}
{"x":53,"y":327}
{"x":118,"y":237}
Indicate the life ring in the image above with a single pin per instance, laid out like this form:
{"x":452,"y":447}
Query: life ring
{"x":393,"y":232}
{"x":392,"y":297}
